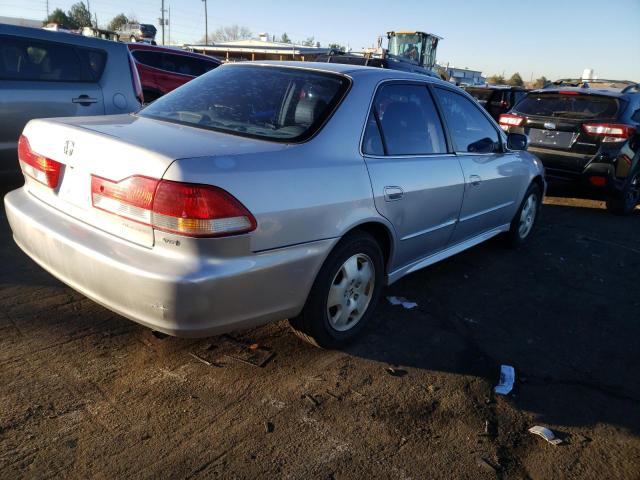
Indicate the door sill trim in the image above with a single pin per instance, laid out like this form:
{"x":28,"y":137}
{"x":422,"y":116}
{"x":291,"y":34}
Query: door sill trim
{"x":446,"y":253}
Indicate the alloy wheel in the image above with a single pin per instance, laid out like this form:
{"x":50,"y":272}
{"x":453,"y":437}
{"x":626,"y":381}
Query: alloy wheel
{"x":528,"y":215}
{"x":350,"y":292}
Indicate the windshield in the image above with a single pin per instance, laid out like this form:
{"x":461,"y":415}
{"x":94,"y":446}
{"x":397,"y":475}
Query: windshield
{"x":577,"y":106}
{"x":274,"y":103}
{"x":406,"y":46}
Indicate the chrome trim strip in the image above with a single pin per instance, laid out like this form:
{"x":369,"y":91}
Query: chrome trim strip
{"x":488,"y":210}
{"x":429,"y":230}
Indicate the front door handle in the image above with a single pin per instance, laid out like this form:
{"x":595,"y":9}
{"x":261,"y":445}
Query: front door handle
{"x":84,"y":100}
{"x":475,"y":180}
{"x":393,"y":193}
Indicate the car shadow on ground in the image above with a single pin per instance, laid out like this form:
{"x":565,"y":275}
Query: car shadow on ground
{"x":559,"y":309}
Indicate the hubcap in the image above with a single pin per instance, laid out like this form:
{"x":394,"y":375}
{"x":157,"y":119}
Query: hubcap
{"x":528,"y":215}
{"x":350,"y":292}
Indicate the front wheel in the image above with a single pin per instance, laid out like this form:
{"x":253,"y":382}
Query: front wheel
{"x":525,"y":219}
{"x":344,"y":294}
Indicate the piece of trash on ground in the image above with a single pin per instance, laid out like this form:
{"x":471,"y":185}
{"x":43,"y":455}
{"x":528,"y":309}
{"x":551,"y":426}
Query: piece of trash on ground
{"x":402,"y":301}
{"x":545,"y":433}
{"x":396,"y":372}
{"x":268,"y":427}
{"x":507,"y":378}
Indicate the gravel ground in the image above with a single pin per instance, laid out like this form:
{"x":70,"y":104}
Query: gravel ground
{"x":86,"y":393}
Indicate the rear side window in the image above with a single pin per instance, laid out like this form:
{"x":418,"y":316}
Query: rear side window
{"x":186,"y":65}
{"x":149,"y":58}
{"x":574,"y":105}
{"x":409,"y":121}
{"x":273,"y":103}
{"x":469,"y":128}
{"x":372,"y":144}
{"x":36,"y":60}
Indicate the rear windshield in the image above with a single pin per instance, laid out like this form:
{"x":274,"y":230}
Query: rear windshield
{"x":576,"y":106}
{"x":273,"y":103}
{"x":480,"y":93}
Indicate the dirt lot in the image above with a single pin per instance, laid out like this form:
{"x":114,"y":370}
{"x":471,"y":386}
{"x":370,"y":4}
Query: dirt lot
{"x":85,"y":393}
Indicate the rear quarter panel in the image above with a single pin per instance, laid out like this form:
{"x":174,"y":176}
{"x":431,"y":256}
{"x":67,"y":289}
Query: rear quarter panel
{"x":316,"y":190}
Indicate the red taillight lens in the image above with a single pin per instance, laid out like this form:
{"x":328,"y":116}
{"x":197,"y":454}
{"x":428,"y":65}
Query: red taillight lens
{"x":183,"y":208}
{"x":135,"y":78}
{"x":598,"y":181}
{"x":42,"y":169}
{"x":130,"y":198}
{"x":510,"y":120}
{"x":568,"y":92}
{"x":613,"y":132}
{"x":199,"y":210}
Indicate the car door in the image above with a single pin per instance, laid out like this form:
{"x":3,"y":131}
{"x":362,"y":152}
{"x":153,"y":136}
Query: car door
{"x":41,"y":79}
{"x":417,"y":184}
{"x":494,"y":176}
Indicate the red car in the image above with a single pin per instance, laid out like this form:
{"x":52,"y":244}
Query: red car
{"x":163,"y":69}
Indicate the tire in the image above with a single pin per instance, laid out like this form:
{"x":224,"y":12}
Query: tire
{"x":342,"y":280}
{"x":629,"y":197}
{"x":524,"y":221}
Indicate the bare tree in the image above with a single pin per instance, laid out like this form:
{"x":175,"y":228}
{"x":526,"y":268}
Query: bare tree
{"x":229,"y":33}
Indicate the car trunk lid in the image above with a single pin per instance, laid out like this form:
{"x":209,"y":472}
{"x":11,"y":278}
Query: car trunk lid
{"x":116,"y":148}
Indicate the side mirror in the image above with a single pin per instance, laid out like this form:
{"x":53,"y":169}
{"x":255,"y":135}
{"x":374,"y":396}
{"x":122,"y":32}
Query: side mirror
{"x":517,"y":141}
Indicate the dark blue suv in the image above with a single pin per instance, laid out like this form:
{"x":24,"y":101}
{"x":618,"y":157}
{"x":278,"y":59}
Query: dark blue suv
{"x":587,"y":132}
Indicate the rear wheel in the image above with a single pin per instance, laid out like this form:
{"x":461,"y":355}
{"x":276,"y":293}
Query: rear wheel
{"x":525,"y":219}
{"x":344,"y":294}
{"x":626,"y":201}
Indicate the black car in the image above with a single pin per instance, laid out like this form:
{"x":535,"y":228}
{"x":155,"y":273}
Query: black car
{"x":586,"y":131}
{"x":497,"y":99}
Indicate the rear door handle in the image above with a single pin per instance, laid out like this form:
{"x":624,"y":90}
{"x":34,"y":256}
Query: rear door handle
{"x":475,"y":180}
{"x":84,"y":100}
{"x":393,"y":193}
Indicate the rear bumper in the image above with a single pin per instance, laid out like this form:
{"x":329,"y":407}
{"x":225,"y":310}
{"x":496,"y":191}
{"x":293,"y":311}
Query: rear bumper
{"x":189,"y":296}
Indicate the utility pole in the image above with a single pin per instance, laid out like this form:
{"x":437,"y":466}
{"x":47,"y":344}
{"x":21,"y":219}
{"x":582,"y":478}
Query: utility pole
{"x":162,"y":19}
{"x":169,"y":21}
{"x":47,"y":8}
{"x":206,"y":24}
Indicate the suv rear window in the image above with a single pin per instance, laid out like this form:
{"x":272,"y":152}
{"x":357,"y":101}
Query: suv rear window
{"x":37,"y":60}
{"x":273,"y":103}
{"x":577,"y":106}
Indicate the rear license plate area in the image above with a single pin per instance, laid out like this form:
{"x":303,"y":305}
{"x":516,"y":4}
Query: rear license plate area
{"x":551,"y":138}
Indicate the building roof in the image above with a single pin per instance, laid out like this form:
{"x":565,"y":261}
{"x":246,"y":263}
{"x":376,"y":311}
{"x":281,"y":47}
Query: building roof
{"x":259,"y":46}
{"x":22,"y":22}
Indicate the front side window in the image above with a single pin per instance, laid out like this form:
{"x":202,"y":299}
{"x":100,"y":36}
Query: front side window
{"x":469,"y":128}
{"x":409,"y":121}
{"x":272,"y":103}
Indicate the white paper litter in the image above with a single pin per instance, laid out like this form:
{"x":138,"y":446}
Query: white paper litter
{"x":545,"y":433}
{"x":507,"y":378}
{"x":402,"y":301}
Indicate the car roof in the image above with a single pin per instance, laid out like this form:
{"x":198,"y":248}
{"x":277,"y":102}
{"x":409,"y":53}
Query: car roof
{"x":178,"y":50}
{"x":349,"y":70}
{"x":52,"y":36}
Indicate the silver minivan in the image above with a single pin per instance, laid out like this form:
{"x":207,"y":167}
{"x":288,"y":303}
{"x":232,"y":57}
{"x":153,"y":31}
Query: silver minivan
{"x":47,"y":74}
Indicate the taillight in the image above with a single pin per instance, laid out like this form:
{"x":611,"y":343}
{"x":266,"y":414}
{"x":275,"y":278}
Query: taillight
{"x":507,"y":120}
{"x":135,"y":78}
{"x":612,"y":132}
{"x":183,"y":208}
{"x":42,"y":169}
{"x":598,"y":180}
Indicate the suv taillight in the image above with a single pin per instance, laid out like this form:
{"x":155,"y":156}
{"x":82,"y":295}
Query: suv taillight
{"x":135,"y":78}
{"x":612,"y":132}
{"x":186,"y":209}
{"x":507,"y":120}
{"x":42,"y":169}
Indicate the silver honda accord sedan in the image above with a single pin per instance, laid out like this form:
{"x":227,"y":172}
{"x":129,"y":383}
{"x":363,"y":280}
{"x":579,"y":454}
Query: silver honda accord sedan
{"x":264,"y":191}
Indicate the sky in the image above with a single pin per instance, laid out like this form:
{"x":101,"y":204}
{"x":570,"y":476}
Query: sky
{"x":554,"y":38}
